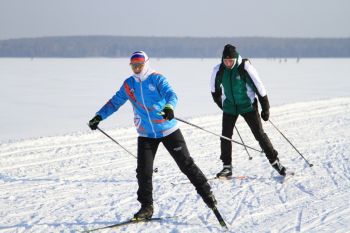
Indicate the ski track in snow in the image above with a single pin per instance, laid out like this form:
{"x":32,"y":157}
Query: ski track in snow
{"x":75,"y":182}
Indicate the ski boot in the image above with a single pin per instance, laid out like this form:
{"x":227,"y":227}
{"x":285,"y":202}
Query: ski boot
{"x":279,"y":167}
{"x":145,"y":212}
{"x":226,"y":172}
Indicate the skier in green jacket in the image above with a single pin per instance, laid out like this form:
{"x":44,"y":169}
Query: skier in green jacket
{"x":235,"y":84}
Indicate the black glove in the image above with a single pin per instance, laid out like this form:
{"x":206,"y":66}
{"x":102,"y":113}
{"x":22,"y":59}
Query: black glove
{"x":217,"y":99}
{"x":218,"y":102}
{"x":265,"y":106}
{"x":93,"y":123}
{"x":168,"y":112}
{"x":265,"y":115}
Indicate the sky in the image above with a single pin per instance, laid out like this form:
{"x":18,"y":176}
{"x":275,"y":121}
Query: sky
{"x":180,"y":18}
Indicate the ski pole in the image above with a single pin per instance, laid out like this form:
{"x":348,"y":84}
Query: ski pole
{"x":310,"y":164}
{"x":250,"y":157}
{"x":155,"y":170}
{"x":116,"y":142}
{"x":229,"y":139}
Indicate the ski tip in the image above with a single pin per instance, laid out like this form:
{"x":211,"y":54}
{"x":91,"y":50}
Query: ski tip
{"x":219,"y":217}
{"x":223,"y":224}
{"x":225,"y":227}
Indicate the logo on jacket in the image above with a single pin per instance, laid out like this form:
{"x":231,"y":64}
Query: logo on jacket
{"x":151,"y":87}
{"x":137,"y":121}
{"x":177,"y":148}
{"x":156,"y":107}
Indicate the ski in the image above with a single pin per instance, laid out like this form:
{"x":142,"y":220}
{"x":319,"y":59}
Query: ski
{"x":131,"y":221}
{"x":219,"y":218}
{"x":214,"y":178}
{"x":229,"y":178}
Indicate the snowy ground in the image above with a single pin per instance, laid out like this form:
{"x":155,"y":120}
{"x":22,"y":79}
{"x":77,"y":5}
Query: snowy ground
{"x":81,"y":180}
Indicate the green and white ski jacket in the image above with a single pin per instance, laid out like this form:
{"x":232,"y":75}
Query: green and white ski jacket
{"x":235,"y":89}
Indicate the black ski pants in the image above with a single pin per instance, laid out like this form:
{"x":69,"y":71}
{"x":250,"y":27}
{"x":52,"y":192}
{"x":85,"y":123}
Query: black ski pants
{"x":176,"y":146}
{"x":254,"y":122}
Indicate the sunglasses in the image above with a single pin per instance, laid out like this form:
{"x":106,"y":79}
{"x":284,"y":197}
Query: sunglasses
{"x":137,"y":65}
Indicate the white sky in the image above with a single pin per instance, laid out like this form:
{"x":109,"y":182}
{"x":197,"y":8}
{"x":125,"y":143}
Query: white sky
{"x":204,"y":18}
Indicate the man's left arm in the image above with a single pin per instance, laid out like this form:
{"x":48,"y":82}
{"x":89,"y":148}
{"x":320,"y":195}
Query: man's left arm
{"x":170,"y":97}
{"x":261,"y":91}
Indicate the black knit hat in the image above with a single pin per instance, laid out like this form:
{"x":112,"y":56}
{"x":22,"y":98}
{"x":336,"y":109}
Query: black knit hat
{"x":229,"y":52}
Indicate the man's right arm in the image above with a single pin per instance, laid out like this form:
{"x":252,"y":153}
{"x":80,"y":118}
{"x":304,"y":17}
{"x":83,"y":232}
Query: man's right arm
{"x":216,"y":91}
{"x":113,"y":104}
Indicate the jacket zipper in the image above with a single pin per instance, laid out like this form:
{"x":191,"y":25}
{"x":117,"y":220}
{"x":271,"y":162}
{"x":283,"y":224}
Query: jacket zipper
{"x":233,"y":97}
{"x":143,"y":101}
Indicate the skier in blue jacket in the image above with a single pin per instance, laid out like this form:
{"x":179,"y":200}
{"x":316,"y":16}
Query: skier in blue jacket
{"x":153,"y":101}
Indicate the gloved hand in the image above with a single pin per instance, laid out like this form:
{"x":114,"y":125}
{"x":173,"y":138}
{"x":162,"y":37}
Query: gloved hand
{"x":265,"y":115}
{"x":168,"y":112}
{"x":93,"y":123}
{"x":265,"y":106}
{"x":217,"y":99}
{"x":219,"y":103}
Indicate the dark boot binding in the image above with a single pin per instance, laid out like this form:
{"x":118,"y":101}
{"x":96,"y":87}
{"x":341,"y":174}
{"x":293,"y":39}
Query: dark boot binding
{"x":279,"y":167}
{"x":145,"y":212}
{"x":225,"y":172}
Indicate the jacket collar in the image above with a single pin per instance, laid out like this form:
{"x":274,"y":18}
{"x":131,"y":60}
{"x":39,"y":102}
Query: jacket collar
{"x":146,"y":71}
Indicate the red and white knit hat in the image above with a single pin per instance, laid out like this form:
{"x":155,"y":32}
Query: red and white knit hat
{"x":138,"y":57}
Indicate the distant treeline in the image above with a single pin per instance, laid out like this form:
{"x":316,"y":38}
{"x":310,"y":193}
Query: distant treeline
{"x":173,"y":47}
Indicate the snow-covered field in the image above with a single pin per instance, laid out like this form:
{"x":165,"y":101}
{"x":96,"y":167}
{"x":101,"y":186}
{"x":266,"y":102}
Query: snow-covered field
{"x":83,"y":180}
{"x":47,"y":97}
{"x":71,"y":179}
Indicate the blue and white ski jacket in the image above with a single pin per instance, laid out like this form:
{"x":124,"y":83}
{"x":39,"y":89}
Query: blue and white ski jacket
{"x":148,"y":97}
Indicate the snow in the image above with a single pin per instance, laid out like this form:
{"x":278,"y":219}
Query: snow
{"x":47,"y":97}
{"x":80,"y":180}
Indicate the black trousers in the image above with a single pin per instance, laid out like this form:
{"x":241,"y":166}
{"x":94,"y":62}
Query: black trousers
{"x":254,"y":122}
{"x":176,"y":146}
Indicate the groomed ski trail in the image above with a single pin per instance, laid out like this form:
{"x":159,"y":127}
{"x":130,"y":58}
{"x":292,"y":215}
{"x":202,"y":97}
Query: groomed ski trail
{"x":80,"y":181}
